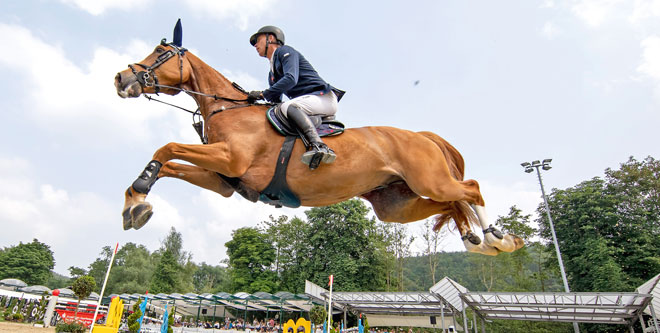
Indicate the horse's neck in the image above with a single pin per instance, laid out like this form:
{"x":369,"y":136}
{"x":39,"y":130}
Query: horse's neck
{"x":205,"y":79}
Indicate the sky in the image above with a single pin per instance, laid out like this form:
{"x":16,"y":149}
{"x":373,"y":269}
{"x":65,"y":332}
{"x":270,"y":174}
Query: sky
{"x":505,"y":82}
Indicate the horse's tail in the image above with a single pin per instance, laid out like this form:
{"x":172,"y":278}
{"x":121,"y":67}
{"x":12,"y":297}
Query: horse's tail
{"x":459,"y":211}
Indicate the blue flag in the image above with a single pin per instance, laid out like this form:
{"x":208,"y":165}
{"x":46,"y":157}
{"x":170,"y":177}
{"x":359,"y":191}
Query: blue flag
{"x":163,"y":328}
{"x":143,"y":308}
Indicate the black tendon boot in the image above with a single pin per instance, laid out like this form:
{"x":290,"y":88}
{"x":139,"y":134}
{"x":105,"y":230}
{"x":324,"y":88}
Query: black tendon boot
{"x":317,"y":151}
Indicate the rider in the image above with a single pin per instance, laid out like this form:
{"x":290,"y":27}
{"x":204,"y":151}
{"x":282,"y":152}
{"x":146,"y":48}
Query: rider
{"x":309,"y":95}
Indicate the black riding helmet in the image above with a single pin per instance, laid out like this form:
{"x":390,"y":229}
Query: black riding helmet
{"x":269,"y":29}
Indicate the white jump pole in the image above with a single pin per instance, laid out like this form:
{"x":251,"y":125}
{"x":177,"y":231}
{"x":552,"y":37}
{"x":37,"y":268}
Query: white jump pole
{"x":330,"y":305}
{"x":105,"y":281}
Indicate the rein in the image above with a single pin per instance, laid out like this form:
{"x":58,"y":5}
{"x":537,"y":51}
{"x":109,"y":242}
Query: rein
{"x":148,"y":78}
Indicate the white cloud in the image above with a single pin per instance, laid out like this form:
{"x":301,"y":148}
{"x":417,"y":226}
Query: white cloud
{"x":97,"y":7}
{"x":550,"y":30}
{"x":80,"y":97}
{"x":650,"y":57}
{"x":239,"y":10}
{"x":645,"y":9}
{"x":595,"y":12}
{"x":651,"y":60}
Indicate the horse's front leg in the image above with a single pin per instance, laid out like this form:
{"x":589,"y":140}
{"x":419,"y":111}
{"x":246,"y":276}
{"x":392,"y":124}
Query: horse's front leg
{"x":216,"y":157}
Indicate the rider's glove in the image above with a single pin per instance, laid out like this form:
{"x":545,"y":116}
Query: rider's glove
{"x":254,"y":95}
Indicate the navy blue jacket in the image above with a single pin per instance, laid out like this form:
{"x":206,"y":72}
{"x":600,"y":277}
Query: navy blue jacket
{"x":293,"y":76}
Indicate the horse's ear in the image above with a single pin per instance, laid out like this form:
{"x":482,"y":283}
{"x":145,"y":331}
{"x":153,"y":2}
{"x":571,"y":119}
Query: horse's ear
{"x":178,"y":34}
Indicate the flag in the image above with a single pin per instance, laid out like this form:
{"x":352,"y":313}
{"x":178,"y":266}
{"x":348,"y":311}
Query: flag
{"x":143,"y":308}
{"x":163,"y":328}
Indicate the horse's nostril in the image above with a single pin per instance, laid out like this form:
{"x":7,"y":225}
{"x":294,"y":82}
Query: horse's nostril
{"x":118,"y":78}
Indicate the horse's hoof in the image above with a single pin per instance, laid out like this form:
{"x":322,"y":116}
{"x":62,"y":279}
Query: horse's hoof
{"x":141,"y":215}
{"x":126,"y":214}
{"x":472,"y":238}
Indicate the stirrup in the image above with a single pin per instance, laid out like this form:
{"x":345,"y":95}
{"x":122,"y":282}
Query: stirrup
{"x":316,"y":154}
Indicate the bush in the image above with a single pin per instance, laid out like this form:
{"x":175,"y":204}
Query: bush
{"x":17,"y":317}
{"x":72,"y":327}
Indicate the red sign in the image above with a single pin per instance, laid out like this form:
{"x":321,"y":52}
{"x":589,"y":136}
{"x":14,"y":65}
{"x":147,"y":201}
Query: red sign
{"x":85,"y":313}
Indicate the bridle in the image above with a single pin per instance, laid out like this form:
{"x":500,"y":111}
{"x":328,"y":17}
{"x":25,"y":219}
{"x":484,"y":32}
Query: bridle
{"x":147,"y":78}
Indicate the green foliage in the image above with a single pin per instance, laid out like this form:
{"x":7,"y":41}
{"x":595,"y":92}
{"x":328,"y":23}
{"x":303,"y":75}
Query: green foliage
{"x":132,"y":321}
{"x":250,"y":259}
{"x":72,"y":327}
{"x":607,"y":228}
{"x":83,"y":286}
{"x":164,"y":278}
{"x":76,"y":272}
{"x":342,"y":241}
{"x":210,"y":279}
{"x":57,"y":281}
{"x":318,"y":314}
{"x":170,"y":320}
{"x":30,"y":262}
{"x":18,"y":317}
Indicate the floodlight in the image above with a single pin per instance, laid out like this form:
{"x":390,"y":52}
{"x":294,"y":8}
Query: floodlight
{"x":546,"y":167}
{"x":535,"y":163}
{"x":547,"y":160}
{"x":529,"y":169}
{"x":524,"y":164}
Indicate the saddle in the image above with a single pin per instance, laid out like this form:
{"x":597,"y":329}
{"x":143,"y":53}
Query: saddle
{"x":325,"y":126}
{"x":278,"y":193}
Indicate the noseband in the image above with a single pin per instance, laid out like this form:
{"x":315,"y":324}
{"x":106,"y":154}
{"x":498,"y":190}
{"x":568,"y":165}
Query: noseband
{"x":147,"y":77}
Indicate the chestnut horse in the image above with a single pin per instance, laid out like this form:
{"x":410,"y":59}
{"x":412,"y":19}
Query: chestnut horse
{"x":406,"y":176}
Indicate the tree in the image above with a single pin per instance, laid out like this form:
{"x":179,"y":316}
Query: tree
{"x":317,"y":314}
{"x":343,"y":242}
{"x":76,"y":272}
{"x":132,"y":271}
{"x":289,"y":237}
{"x":165,"y":276}
{"x":210,"y":279}
{"x":82,"y":288}
{"x":610,"y":224}
{"x":431,"y":239}
{"x":250,"y":258}
{"x":399,"y":244}
{"x":30,"y":262}
{"x":132,"y":320}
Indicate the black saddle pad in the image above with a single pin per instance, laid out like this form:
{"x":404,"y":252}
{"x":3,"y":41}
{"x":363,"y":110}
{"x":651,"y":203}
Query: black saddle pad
{"x":325,"y":127}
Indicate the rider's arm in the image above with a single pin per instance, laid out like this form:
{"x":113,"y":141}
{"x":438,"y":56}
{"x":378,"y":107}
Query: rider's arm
{"x":290,"y":66}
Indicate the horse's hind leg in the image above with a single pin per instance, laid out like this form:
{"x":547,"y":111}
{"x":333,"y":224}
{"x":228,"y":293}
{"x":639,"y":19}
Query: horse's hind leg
{"x":398,"y":203}
{"x":494,"y":237}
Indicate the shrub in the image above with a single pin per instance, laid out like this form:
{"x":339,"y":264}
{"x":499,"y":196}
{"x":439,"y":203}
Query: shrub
{"x":72,"y":327}
{"x":17,"y":317}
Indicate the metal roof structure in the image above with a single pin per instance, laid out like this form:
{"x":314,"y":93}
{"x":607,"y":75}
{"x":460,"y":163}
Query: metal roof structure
{"x":604,"y":308}
{"x":652,"y":287}
{"x":391,"y":303}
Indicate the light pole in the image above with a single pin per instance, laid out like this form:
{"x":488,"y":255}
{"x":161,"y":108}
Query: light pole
{"x":545,"y":165}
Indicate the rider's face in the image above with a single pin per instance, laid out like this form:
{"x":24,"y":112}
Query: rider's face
{"x":260,"y":45}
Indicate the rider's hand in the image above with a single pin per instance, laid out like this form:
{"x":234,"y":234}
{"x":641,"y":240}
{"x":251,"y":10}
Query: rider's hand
{"x":254,"y":95}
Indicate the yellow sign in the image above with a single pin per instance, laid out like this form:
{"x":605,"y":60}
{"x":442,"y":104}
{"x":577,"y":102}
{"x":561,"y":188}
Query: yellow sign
{"x":301,"y":326}
{"x":113,"y":320}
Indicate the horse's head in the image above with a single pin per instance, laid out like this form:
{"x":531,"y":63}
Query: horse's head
{"x":164,"y":68}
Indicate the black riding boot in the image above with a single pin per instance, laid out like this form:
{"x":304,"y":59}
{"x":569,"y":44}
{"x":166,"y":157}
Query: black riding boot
{"x":317,"y":151}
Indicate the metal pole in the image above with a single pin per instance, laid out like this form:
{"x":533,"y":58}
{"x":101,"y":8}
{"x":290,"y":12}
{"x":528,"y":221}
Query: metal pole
{"x":442,"y":317}
{"x":465,"y":323}
{"x":483,"y":326}
{"x":453,"y":318}
{"x":474,"y":320}
{"x":576,"y":328}
{"x":655,"y":320}
{"x":641,"y":322}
